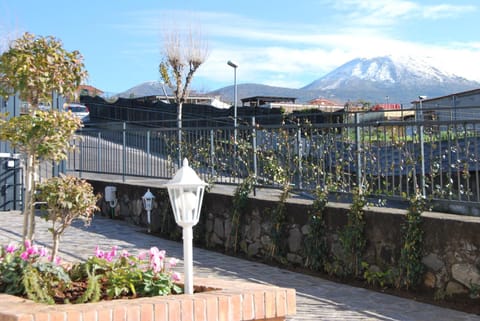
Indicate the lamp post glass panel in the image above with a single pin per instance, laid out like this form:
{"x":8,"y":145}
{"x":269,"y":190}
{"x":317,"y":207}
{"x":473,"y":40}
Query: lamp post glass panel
{"x":147,"y":200}
{"x":234,"y":66}
{"x":185,"y":191}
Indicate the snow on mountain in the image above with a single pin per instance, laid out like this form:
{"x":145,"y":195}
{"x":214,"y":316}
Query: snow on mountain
{"x":387,"y":70}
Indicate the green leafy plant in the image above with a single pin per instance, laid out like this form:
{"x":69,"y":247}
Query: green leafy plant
{"x":410,"y":264}
{"x":380,"y":278}
{"x":352,"y":236}
{"x":26,"y":271}
{"x":240,"y":200}
{"x":316,"y":251}
{"x":67,"y":198}
{"x":34,"y":67}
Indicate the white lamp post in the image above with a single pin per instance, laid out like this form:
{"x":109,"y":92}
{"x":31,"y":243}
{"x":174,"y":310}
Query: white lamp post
{"x":147,"y":200}
{"x":234,"y":66}
{"x":186,"y":190}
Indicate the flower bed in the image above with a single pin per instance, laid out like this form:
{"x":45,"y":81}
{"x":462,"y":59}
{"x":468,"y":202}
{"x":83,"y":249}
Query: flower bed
{"x":231,"y":301}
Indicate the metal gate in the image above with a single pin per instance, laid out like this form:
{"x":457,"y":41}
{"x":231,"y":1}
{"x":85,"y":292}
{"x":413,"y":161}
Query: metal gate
{"x":11,"y":182}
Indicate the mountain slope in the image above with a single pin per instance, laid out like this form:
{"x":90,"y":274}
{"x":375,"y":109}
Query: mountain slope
{"x":376,"y":80}
{"x":400,"y":78}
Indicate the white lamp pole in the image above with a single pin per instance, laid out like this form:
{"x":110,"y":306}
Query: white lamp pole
{"x":234,"y":66}
{"x":147,"y":200}
{"x":186,"y":190}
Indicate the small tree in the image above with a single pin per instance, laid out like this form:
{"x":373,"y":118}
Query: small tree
{"x":38,"y":135}
{"x":68,"y":198}
{"x":181,"y":58}
{"x":34,"y":67}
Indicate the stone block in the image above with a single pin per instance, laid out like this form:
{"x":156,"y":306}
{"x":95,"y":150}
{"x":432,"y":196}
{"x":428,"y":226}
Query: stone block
{"x":466,"y":274}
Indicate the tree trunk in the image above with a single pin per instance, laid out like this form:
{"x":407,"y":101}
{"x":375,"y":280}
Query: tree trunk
{"x":56,"y":242}
{"x":179,"y":122}
{"x":29,"y":208}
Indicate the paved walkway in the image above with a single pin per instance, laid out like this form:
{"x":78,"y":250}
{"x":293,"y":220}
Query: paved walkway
{"x":317,"y":299}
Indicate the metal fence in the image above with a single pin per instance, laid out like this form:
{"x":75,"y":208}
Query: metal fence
{"x":389,"y":159}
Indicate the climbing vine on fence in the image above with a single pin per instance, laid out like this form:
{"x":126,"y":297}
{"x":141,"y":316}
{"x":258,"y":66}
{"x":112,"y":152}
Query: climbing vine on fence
{"x":411,"y":267}
{"x":315,"y":245}
{"x":240,"y":201}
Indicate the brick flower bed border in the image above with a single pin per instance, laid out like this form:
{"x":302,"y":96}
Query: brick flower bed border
{"x":230,"y":301}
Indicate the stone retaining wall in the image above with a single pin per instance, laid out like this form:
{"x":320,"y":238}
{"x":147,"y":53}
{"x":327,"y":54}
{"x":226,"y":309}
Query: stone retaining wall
{"x":451,"y":242}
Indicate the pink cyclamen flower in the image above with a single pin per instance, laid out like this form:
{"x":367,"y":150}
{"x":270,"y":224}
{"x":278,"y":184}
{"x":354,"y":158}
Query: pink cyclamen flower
{"x":113,"y":252}
{"x":99,"y":253}
{"x":176,"y":276}
{"x":142,"y":256}
{"x":125,"y":254}
{"x":156,"y":263}
{"x":10,"y":248}
{"x":28,"y":244}
{"x":172,"y":262}
{"x":43,"y":252}
{"x":24,"y":256}
{"x":32,"y":250}
{"x":154,"y":251}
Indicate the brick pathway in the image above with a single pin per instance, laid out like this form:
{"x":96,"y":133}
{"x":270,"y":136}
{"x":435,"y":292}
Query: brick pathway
{"x":317,"y":299}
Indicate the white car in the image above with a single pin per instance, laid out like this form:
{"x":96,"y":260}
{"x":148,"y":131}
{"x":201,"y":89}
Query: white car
{"x":79,"y":110}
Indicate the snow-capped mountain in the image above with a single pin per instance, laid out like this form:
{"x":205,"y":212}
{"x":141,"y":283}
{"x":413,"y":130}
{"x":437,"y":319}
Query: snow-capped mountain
{"x":400,"y":78}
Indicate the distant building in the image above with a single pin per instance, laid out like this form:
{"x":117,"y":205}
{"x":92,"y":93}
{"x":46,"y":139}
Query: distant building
{"x":288,"y":103}
{"x":459,"y":106}
{"x":379,"y":107}
{"x":326,"y":105}
{"x":87,"y":90}
{"x":193,"y":99}
{"x":267,"y":101}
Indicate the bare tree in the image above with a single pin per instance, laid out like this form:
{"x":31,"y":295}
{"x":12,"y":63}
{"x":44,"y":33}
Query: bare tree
{"x":181,"y":57}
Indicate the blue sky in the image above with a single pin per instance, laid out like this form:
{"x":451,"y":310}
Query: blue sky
{"x":279,"y":43}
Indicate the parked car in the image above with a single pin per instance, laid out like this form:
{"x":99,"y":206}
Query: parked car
{"x":45,"y":106}
{"x":79,"y":110}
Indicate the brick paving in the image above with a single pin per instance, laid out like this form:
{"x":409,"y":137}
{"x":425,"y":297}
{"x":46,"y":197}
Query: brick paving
{"x":317,"y":299}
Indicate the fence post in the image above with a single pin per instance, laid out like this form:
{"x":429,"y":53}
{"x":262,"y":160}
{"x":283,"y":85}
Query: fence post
{"x":422,"y":152}
{"x":99,"y":152}
{"x":124,"y":156}
{"x":359,"y":156}
{"x":254,"y":145}
{"x":80,"y":157}
{"x":212,"y":152}
{"x":300,"y":155}
{"x":148,"y":158}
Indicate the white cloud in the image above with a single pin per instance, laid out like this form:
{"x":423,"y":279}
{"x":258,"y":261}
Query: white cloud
{"x":277,"y":54}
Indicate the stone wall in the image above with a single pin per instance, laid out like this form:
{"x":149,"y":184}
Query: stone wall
{"x":451,"y":242}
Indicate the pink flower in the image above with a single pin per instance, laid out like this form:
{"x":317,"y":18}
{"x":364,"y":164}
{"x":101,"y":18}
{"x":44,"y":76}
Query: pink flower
{"x":154,"y":251}
{"x":99,"y":253}
{"x":156,"y":259}
{"x":33,"y":250}
{"x":28,"y":244}
{"x":113,"y":252}
{"x":176,"y":276}
{"x":10,"y":248}
{"x":58,"y":260}
{"x":172,"y":262}
{"x":24,"y":256}
{"x":142,"y":256}
{"x":43,"y":252}
{"x":125,"y":254}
